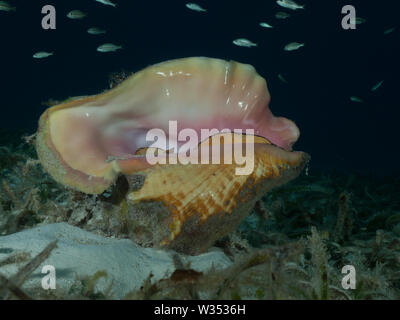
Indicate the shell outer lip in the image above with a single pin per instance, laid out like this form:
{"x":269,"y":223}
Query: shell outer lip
{"x":74,"y":178}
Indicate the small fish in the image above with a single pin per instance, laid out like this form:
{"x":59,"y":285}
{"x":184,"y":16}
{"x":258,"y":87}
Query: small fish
{"x":195,"y":7}
{"x":96,"y":31}
{"x":108,"y":47}
{"x":356,"y":99}
{"x":389,"y":30}
{"x":293,"y":46}
{"x":358,"y":20}
{"x":4,"y":6}
{"x":244,"y":43}
{"x":282,"y":15}
{"x":265,"y":25}
{"x":42,"y":54}
{"x":280,"y":76}
{"x":289,"y":4}
{"x":377,"y":86}
{"x":76,"y":14}
{"x":107,"y":2}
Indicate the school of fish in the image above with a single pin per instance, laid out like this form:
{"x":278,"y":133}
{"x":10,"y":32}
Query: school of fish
{"x":240,"y":42}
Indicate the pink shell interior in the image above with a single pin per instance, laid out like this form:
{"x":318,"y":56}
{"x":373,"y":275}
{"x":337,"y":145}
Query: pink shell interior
{"x":198,"y":93}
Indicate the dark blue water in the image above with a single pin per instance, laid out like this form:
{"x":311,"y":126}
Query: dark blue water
{"x":334,"y":65}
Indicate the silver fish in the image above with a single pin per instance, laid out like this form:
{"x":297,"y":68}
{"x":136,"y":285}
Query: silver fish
{"x":280,"y":76}
{"x":282,"y":15}
{"x":293,"y":46}
{"x":195,"y":7}
{"x":356,"y":99}
{"x":108,"y":47}
{"x":42,"y":54}
{"x":358,"y":20}
{"x":107,"y":2}
{"x":76,"y":14}
{"x":241,"y":42}
{"x":265,"y":25}
{"x":377,"y":86}
{"x":389,"y":30}
{"x":95,"y":31}
{"x":4,"y":6}
{"x":289,"y":4}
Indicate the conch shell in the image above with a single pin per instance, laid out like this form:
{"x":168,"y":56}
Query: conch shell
{"x":86,"y":144}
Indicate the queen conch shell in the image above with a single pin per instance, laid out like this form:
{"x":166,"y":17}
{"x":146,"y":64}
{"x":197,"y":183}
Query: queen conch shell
{"x":86,"y":144}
